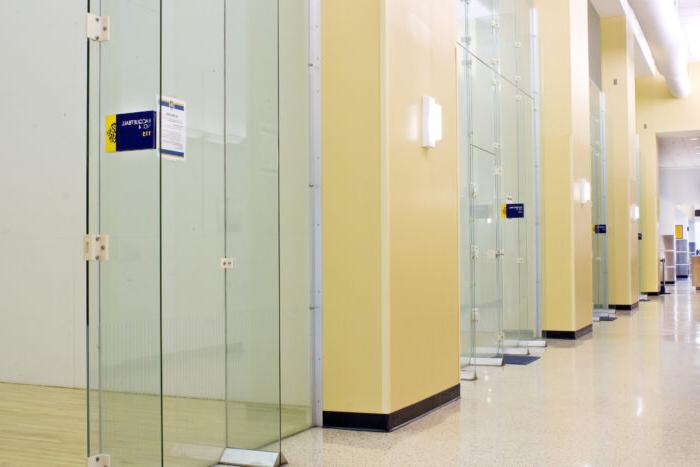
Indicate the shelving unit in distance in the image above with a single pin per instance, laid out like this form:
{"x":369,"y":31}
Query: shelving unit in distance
{"x":682,"y":259}
{"x":669,"y":253}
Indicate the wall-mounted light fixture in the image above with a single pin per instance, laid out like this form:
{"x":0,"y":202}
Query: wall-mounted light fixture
{"x":582,"y":191}
{"x":634,"y":212}
{"x":432,"y":122}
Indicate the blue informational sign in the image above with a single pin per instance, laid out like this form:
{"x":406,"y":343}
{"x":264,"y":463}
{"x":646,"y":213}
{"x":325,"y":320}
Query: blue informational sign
{"x":600,"y":228}
{"x":130,"y":132}
{"x":514,"y":211}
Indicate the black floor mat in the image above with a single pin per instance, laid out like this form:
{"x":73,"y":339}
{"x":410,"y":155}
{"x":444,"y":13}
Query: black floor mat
{"x":519,"y":359}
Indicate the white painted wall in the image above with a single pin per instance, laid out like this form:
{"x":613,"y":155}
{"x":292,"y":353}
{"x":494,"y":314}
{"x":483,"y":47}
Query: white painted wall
{"x":42,"y":207}
{"x":42,"y":191}
{"x":677,"y":187}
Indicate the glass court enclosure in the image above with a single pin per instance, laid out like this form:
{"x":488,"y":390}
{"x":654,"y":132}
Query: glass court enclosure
{"x":199,"y":341}
{"x":498,"y":180}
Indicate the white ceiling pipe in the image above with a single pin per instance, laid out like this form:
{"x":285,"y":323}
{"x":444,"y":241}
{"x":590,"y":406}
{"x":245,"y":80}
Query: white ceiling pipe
{"x":662,"y":29}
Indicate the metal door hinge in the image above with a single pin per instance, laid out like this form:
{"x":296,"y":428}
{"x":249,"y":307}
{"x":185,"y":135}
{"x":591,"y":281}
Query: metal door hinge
{"x":226,"y":263}
{"x":99,"y":460}
{"x":475,"y":252}
{"x":96,"y":247}
{"x":499,"y":253}
{"x":97,"y":27}
{"x":475,"y":315}
{"x":474,"y":190}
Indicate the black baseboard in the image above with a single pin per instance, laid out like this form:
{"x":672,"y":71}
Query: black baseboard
{"x":392,"y":421}
{"x":568,"y":335}
{"x":631,"y":307}
{"x":652,"y":294}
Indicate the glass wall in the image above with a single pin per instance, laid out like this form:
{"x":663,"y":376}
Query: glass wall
{"x":498,"y":206}
{"x":200,"y":326}
{"x":599,"y":203}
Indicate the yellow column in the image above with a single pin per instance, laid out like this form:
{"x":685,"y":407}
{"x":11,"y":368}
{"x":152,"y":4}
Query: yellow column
{"x":617,"y":44}
{"x":390,"y":209}
{"x":566,"y":163}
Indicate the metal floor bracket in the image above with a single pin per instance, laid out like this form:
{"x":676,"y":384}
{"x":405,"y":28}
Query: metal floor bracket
{"x":250,"y":458}
{"x":99,"y":460}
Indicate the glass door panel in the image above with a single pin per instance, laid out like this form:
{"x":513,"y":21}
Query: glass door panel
{"x":486,"y":269}
{"x":465,"y":193}
{"x":507,"y":39}
{"x":523,"y":46}
{"x":184,"y":321}
{"x":512,"y":228}
{"x":193,"y":236}
{"x":252,"y":226}
{"x":527,"y":228}
{"x":124,"y":326}
{"x":599,"y":200}
{"x":483,"y":84}
{"x":481,"y":38}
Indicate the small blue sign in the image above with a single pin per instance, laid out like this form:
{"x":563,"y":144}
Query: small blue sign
{"x":600,"y":229}
{"x":514,"y":211}
{"x":131,"y":131}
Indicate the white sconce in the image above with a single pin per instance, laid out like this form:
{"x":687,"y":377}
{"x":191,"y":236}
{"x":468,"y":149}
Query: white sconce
{"x":432,"y":122}
{"x":634,"y":212}
{"x":582,"y":191}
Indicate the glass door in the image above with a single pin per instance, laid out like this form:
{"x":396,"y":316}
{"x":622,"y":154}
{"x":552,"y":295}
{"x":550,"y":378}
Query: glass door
{"x":252,"y":226}
{"x":184,"y":300}
{"x":124,"y":325}
{"x":498,"y":182}
{"x":481,"y":242}
{"x":599,"y":204}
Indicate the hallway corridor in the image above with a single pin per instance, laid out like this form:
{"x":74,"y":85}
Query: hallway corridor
{"x":629,"y":395}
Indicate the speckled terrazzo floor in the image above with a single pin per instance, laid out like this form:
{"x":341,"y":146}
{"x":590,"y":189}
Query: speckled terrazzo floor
{"x":629,"y":395}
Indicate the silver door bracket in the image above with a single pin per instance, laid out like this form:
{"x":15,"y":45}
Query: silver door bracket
{"x":96,"y":247}
{"x":99,"y":460}
{"x":226,"y":263}
{"x":97,"y":27}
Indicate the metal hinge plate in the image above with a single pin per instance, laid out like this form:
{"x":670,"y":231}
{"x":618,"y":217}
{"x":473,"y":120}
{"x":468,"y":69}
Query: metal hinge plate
{"x":99,"y":460}
{"x":227,"y":263}
{"x":96,"y":247}
{"x":97,"y":27}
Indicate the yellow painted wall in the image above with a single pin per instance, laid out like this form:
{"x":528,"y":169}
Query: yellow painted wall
{"x":617,"y":45}
{"x":659,"y":112}
{"x":391,"y":297}
{"x":565,"y":107}
{"x":422,"y":201}
{"x":352,"y":206}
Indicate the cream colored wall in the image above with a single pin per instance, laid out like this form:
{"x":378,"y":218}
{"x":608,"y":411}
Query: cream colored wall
{"x":659,"y":112}
{"x":618,"y":64}
{"x":565,"y":108}
{"x":391,"y":312}
{"x":423,"y":198}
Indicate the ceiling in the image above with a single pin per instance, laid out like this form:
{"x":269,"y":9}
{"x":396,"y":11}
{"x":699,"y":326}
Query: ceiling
{"x":689,"y":11}
{"x":607,"y":8}
{"x":679,"y":150}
